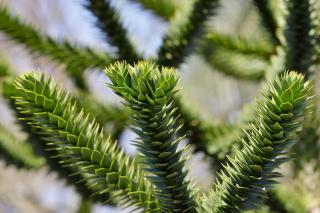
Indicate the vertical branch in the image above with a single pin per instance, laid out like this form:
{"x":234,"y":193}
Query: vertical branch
{"x":268,"y":19}
{"x":148,"y":92}
{"x":179,"y":42}
{"x":299,"y":36}
{"x":109,"y":23}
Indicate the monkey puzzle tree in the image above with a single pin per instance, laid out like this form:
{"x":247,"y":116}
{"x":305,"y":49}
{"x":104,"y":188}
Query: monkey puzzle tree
{"x":66,"y":131}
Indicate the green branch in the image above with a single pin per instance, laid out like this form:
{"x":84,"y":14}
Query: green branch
{"x":299,"y":36}
{"x":250,"y":172}
{"x":17,"y":152}
{"x":240,"y":67}
{"x":179,"y":41}
{"x":203,"y":135}
{"x":113,"y":117}
{"x":268,"y":19}
{"x":148,"y":92}
{"x":78,"y":142}
{"x":4,"y":68}
{"x":249,"y":61}
{"x":75,"y":59}
{"x":85,"y":206}
{"x":108,"y":21}
{"x":291,"y":199}
{"x":257,"y":48}
{"x":307,"y":152}
{"x":164,"y":8}
{"x":39,"y":147}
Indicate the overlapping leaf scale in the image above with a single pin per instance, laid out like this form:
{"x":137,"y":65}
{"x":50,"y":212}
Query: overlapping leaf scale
{"x":40,"y":148}
{"x":179,"y":41}
{"x":112,"y":117}
{"x":80,"y":142}
{"x":74,"y":58}
{"x":250,"y":172}
{"x":148,"y":92}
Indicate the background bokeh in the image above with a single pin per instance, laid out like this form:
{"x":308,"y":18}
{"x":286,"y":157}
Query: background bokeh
{"x":205,"y":90}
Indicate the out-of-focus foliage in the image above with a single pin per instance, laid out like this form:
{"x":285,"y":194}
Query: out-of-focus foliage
{"x":76,"y":134}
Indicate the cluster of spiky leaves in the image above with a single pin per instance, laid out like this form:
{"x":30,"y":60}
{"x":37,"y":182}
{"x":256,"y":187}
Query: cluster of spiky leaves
{"x":247,"y":176}
{"x":40,"y":149}
{"x":74,"y":58}
{"x":248,"y":63}
{"x":68,"y":54}
{"x":109,"y":22}
{"x":238,"y":68}
{"x":301,"y":46}
{"x":148,"y":92}
{"x":178,"y":43}
{"x":300,"y":36}
{"x":113,"y":118}
{"x":79,"y":142}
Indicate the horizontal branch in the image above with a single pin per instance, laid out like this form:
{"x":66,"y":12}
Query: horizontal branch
{"x":75,"y":59}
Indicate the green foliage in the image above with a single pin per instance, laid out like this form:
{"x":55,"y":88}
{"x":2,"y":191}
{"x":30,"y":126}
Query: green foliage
{"x":250,"y":172}
{"x":50,"y":155}
{"x":178,"y":43}
{"x":148,"y":92}
{"x":205,"y":136}
{"x":79,"y":142}
{"x":249,"y":59}
{"x":113,"y":118}
{"x":307,"y":152}
{"x":17,"y":152}
{"x":300,"y":36}
{"x":240,"y":67}
{"x":268,"y":19}
{"x":108,"y":21}
{"x":75,"y":59}
{"x":290,"y":202}
{"x":4,"y":69}
{"x":164,"y":8}
{"x":85,"y":206}
{"x":301,"y":54}
{"x":258,"y":48}
{"x":68,"y":131}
